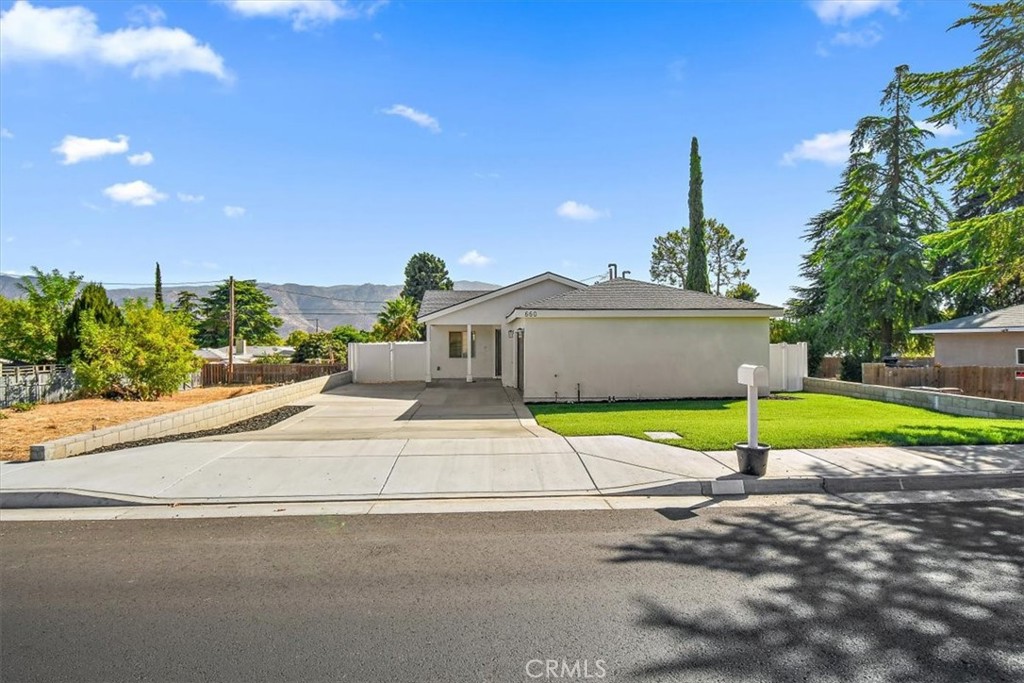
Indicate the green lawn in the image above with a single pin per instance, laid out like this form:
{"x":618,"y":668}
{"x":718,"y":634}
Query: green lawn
{"x":806,"y":421}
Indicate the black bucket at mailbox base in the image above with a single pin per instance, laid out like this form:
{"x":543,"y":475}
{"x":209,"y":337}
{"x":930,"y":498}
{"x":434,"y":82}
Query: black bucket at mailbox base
{"x":753,"y":459}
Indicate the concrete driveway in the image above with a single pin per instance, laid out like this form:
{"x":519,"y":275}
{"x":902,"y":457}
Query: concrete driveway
{"x":406,"y":410}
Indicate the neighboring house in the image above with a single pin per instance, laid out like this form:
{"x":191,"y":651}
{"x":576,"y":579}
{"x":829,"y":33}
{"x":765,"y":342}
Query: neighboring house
{"x":995,"y":339}
{"x":243,"y":353}
{"x":557,"y":339}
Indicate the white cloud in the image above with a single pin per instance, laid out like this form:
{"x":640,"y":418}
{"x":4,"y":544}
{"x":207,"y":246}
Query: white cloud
{"x":579,"y":212}
{"x":304,"y":14}
{"x":75,"y":148}
{"x":71,"y":35}
{"x":475,"y":258}
{"x":234,"y":211}
{"x":143,"y":159}
{"x":190,"y":198}
{"x":418,"y":117}
{"x":831,"y":149}
{"x":136,"y":193}
{"x":6,"y":134}
{"x":844,"y":11}
{"x":146,"y":15}
{"x":940,"y":131}
{"x":863,"y":38}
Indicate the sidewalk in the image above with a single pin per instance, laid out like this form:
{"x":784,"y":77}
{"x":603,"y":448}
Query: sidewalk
{"x":204,"y":472}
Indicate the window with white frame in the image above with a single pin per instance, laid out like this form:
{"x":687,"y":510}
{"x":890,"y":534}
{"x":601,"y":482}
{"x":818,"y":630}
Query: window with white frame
{"x":1020,"y":356}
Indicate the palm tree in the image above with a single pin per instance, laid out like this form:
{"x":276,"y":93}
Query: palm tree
{"x":397,"y":322}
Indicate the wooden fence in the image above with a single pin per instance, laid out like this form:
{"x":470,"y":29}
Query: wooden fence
{"x":35,"y":384}
{"x":972,"y":380}
{"x":267,"y":373}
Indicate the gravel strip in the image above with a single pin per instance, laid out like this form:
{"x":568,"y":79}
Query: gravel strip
{"x":252,"y":424}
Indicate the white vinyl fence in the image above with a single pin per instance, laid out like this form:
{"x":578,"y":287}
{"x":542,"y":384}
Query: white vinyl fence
{"x":387,"y":362}
{"x":787,"y":366}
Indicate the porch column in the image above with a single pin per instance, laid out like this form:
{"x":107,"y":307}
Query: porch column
{"x":469,"y":353}
{"x":429,"y":377}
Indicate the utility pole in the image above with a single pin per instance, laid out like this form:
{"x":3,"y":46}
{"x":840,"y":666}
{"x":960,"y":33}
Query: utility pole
{"x":317,"y":320}
{"x":231,"y":328}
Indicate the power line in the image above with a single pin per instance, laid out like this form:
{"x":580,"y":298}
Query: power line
{"x":319,"y":296}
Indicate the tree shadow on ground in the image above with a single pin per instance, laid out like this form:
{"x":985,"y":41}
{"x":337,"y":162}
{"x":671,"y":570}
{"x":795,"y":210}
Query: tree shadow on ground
{"x":888,"y":593}
{"x":940,"y":435}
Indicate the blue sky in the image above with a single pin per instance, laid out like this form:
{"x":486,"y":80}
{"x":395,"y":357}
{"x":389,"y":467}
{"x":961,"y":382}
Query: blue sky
{"x":324,"y":143}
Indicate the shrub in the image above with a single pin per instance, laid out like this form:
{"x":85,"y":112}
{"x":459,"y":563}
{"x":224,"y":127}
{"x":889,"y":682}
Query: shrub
{"x":22,"y":406}
{"x":148,"y":356}
{"x":320,"y":347}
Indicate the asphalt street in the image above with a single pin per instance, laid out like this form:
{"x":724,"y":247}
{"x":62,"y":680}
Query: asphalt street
{"x":924,"y":592}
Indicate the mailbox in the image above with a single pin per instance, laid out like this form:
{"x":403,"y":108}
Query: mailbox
{"x":752,"y":375}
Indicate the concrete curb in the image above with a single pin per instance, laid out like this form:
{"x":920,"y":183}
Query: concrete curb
{"x":734,"y":485}
{"x":209,"y":416}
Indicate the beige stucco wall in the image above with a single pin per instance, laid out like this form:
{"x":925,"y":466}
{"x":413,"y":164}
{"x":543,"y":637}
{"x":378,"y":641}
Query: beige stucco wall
{"x":484,"y":316}
{"x":644,"y":358}
{"x":985,"y":348}
{"x":443,"y":367}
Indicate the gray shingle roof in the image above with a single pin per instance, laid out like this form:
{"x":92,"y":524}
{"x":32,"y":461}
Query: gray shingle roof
{"x":622,"y":294}
{"x":1011,"y":318}
{"x":435,"y":300}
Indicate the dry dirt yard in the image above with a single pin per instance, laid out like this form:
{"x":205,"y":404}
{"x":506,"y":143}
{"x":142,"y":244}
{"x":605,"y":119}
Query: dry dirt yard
{"x":54,"y":420}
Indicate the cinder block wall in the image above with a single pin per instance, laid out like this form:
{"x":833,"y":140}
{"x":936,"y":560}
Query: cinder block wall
{"x":210,"y":416}
{"x":971,"y":406}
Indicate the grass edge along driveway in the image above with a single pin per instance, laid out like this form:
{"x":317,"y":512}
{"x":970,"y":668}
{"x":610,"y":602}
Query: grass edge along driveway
{"x":805,"y":421}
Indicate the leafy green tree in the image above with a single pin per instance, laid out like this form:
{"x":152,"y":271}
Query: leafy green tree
{"x":725,"y":263}
{"x":253,"y":320}
{"x":397,"y":321}
{"x":296,"y":337}
{"x":148,"y":356}
{"x":158,"y":288}
{"x":347,"y":334}
{"x":668,"y":257}
{"x":320,"y":346}
{"x":425,"y":271}
{"x":726,"y":256}
{"x":92,"y":298}
{"x":869,"y":278}
{"x":697,"y":257}
{"x":989,"y":93}
{"x":29,"y":327}
{"x":743,"y":290}
{"x":19,"y":332}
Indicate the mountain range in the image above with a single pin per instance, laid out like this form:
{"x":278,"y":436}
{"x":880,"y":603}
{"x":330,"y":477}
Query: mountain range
{"x":300,"y":307}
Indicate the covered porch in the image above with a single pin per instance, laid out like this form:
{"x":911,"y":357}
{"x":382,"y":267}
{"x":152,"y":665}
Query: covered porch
{"x":470,"y":351}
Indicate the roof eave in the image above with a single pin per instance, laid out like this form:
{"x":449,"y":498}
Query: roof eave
{"x":487,"y":296}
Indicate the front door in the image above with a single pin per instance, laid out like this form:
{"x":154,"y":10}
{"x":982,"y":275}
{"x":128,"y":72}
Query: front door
{"x":519,"y":361}
{"x":497,"y":352}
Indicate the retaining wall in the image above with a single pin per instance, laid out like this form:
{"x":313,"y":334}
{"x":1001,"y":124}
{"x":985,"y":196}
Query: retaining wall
{"x":210,"y":416}
{"x":971,"y":406}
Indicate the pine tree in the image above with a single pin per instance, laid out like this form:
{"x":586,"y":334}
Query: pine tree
{"x":697,"y":257}
{"x":988,"y":242}
{"x":869,"y":280}
{"x":158,"y":290}
{"x":425,"y":271}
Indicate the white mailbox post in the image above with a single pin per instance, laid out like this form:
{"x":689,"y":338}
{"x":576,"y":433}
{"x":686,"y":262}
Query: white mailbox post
{"x":753,"y":455}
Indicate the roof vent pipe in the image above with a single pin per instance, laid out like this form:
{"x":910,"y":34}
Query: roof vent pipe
{"x":625,"y":274}
{"x":613,"y":271}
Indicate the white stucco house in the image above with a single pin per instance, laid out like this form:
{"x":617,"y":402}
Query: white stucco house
{"x":554,"y":338}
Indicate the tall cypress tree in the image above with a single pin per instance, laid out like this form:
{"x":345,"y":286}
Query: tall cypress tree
{"x":697,"y":257}
{"x":158,"y":295}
